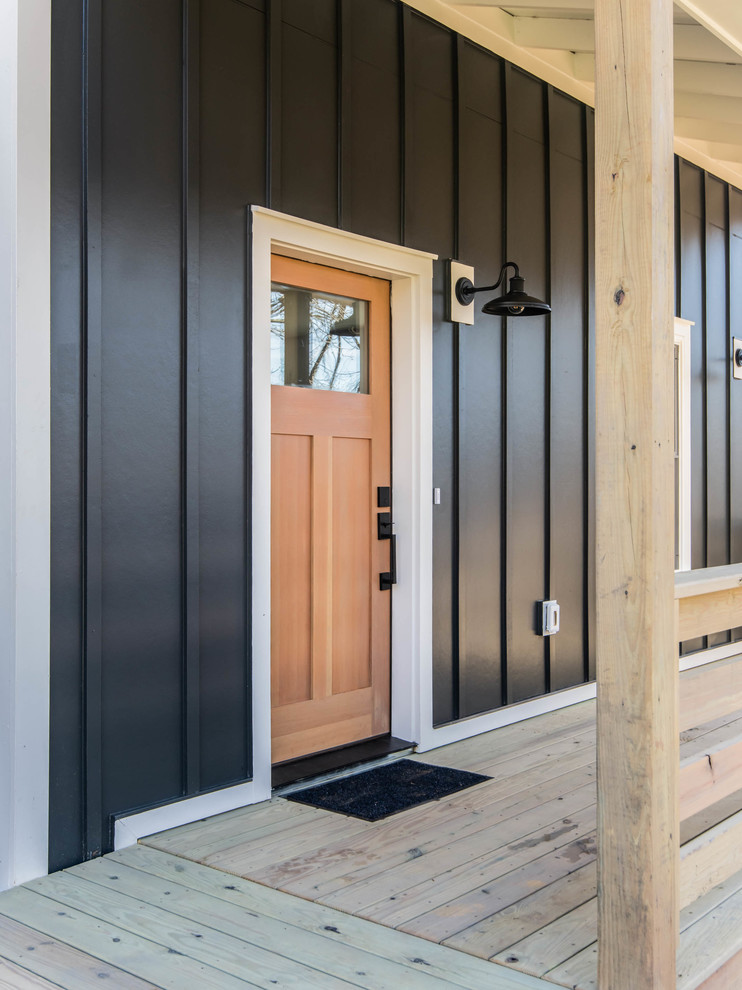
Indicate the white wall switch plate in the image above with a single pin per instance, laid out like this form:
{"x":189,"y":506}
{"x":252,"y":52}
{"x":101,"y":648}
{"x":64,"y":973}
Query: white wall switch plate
{"x":550,"y":616}
{"x":455,"y":312}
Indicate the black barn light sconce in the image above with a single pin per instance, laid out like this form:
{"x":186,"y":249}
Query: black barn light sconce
{"x":515,"y":302}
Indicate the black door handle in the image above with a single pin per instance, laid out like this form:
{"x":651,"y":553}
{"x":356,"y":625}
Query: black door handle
{"x":388,"y":578}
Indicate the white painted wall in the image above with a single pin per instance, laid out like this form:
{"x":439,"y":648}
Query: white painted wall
{"x":24,"y":438}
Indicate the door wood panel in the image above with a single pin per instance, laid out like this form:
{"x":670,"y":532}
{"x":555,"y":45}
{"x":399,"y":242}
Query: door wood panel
{"x":330,"y":622}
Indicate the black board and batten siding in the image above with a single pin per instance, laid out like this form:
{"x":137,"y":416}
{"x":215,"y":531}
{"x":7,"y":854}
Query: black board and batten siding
{"x":709,"y":292}
{"x":169,"y":117}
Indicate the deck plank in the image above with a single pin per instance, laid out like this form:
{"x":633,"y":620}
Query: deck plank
{"x":426,"y":957}
{"x":239,"y":920}
{"x":493,"y":935}
{"x":560,"y":940}
{"x":199,"y":940}
{"x":13,"y":977}
{"x":253,"y":823}
{"x":579,"y":971}
{"x":341,"y":864}
{"x":143,"y":957}
{"x":434,"y":887}
{"x":516,"y":739}
{"x":55,"y":961}
{"x":495,"y":894}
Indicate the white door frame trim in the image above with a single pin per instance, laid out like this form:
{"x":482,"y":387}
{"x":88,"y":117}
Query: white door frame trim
{"x":25,"y":493}
{"x":411,"y":274}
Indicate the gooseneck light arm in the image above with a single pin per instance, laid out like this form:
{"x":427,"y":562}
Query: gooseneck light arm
{"x":466,"y":290}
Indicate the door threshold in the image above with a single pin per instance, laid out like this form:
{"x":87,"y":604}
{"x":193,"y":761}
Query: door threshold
{"x":338,"y":762}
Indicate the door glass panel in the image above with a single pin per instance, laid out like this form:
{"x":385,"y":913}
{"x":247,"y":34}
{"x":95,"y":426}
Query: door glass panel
{"x":318,"y":340}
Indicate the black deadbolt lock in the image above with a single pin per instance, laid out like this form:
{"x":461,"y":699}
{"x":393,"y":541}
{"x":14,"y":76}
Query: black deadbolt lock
{"x":738,"y":357}
{"x":383,"y":497}
{"x":384,"y":525}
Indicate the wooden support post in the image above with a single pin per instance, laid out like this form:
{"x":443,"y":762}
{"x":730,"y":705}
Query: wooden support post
{"x":637,"y":655}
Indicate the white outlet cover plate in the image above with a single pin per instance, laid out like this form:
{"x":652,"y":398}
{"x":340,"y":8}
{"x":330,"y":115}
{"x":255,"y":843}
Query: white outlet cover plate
{"x":736,"y":346}
{"x":459,"y":313}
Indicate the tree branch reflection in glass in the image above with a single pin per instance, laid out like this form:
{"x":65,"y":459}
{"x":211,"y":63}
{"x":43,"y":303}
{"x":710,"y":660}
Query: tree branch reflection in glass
{"x":318,"y":340}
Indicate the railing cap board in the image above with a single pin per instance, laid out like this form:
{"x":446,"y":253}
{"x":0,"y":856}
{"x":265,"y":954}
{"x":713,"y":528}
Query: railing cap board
{"x":707,"y":580}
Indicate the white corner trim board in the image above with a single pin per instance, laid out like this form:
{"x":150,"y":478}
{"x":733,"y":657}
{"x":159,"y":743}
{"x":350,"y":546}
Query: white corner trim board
{"x":25,"y":114}
{"x":682,"y":337}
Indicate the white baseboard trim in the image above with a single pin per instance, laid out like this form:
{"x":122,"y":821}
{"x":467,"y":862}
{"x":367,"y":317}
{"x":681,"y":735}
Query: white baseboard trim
{"x":466,"y":728}
{"x":129,"y":829}
{"x":709,"y":656}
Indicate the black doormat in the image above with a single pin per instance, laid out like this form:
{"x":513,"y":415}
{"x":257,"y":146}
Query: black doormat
{"x":385,"y":790}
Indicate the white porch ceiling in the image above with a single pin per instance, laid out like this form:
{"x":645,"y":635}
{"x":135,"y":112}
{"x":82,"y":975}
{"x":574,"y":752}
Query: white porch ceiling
{"x":555,"y":39}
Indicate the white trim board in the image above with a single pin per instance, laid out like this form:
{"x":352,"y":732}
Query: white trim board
{"x":682,"y":339}
{"x":702,"y":657}
{"x":25,"y":497}
{"x":467,"y":727}
{"x":129,"y":828}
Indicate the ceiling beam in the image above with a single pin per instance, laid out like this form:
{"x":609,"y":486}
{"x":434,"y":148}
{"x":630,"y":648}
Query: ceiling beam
{"x":555,"y":32}
{"x":708,"y":130}
{"x":692,"y":42}
{"x":711,"y":78}
{"x":721,"y":17}
{"x":529,"y":4}
{"x":723,"y":152}
{"x":717,"y":108}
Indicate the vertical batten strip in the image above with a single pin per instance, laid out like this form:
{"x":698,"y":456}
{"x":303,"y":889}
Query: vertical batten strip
{"x":549,"y":584}
{"x":705,"y":373}
{"x":273,"y":104}
{"x":504,"y":653}
{"x":735,"y":398}
{"x":458,"y":611}
{"x":730,"y":419}
{"x":344,"y":63}
{"x":247,"y":554}
{"x":190,"y":398}
{"x":92,"y":425}
{"x":588,"y":404}
{"x":678,"y":240}
{"x":405,"y":22}
{"x":637,"y":664}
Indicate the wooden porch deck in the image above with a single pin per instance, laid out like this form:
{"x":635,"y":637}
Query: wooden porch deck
{"x":141,"y":919}
{"x":502,"y":876}
{"x":504,"y":871}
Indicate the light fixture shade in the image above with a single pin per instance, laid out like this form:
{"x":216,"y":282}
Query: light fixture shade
{"x":516,"y":302}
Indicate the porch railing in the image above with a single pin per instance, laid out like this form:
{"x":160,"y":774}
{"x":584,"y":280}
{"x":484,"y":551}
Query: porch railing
{"x":710,"y":601}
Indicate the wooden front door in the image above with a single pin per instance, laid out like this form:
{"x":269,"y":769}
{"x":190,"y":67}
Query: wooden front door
{"x":331,"y":438}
